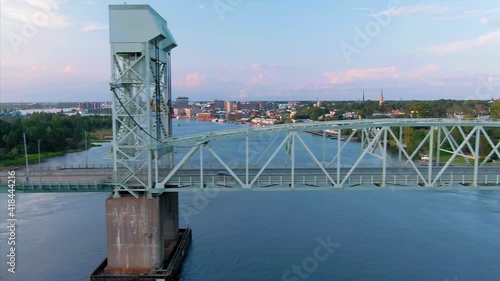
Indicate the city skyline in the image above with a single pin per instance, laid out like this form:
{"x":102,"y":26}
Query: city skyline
{"x":246,"y":50}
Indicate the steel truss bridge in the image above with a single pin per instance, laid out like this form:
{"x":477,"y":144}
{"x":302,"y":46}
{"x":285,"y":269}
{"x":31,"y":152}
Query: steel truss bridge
{"x":307,"y":156}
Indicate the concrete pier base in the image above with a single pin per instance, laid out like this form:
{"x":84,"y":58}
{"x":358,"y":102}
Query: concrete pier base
{"x":138,"y":230}
{"x":169,"y":207}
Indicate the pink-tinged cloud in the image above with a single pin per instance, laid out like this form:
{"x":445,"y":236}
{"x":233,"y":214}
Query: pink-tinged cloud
{"x":244,"y":94}
{"x":69,"y":69}
{"x":487,"y":21}
{"x":258,"y":79}
{"x":262,"y":67}
{"x":423,"y":71}
{"x":350,"y":75}
{"x":194,"y":79}
{"x":255,"y":66}
{"x":38,"y":69}
{"x":465,"y":45}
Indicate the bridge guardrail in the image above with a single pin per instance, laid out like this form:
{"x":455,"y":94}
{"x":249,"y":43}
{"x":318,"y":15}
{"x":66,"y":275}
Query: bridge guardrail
{"x":62,"y":186}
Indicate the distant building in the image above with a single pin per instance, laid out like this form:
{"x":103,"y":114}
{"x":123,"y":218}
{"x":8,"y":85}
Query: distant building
{"x":89,"y":105}
{"x":248,"y":106}
{"x":10,"y":112}
{"x":330,"y":115}
{"x":263,"y":121}
{"x":268,"y":106}
{"x":106,"y":105}
{"x":350,"y":115}
{"x":179,"y":111}
{"x":217,"y":104}
{"x":205,"y":116}
{"x":229,"y":106}
{"x":397,"y":112}
{"x":191,"y":112}
{"x":284,"y":106}
{"x":381,"y":99}
{"x":234,"y":116}
{"x":182,"y":102}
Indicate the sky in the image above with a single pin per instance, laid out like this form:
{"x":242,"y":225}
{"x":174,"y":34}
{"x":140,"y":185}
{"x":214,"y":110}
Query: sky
{"x":58,"y":50}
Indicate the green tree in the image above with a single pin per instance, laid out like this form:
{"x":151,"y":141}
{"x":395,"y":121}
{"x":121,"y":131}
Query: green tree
{"x":495,"y":109}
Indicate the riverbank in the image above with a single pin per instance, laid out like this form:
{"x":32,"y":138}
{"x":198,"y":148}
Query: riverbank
{"x":33,"y":158}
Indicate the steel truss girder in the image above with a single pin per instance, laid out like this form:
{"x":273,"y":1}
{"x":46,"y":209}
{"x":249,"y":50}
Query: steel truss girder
{"x":495,"y":150}
{"x":329,"y":125}
{"x":373,"y":141}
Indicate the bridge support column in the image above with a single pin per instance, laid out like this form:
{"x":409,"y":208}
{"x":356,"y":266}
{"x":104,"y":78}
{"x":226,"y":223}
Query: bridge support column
{"x":169,"y":207}
{"x":138,"y":229}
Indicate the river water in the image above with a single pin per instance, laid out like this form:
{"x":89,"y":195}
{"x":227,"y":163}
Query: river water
{"x":357,"y":235}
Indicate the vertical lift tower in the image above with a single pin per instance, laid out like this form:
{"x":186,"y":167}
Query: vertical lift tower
{"x":142,"y":228}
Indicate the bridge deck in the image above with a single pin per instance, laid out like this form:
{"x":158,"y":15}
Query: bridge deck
{"x":273,"y":179}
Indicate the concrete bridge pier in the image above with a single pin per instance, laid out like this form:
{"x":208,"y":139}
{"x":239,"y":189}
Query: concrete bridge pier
{"x":141,"y":232}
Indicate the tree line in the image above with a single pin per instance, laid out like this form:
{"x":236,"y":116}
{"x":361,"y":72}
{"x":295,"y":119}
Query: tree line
{"x":57,"y":132}
{"x":407,"y":109}
{"x":411,"y":109}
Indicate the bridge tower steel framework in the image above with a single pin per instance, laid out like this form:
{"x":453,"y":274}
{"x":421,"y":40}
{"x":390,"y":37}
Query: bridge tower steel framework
{"x":140,"y":225}
{"x":141,"y":45}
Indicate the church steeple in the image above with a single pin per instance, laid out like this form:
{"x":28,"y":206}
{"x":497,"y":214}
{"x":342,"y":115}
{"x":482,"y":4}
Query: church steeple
{"x":381,"y":100}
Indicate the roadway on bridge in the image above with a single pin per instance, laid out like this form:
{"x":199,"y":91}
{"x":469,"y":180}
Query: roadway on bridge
{"x":91,"y":179}
{"x":89,"y":174}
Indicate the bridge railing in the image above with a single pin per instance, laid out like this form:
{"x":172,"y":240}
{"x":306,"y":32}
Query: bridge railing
{"x":447,"y":179}
{"x":64,"y":186}
{"x":67,"y":166}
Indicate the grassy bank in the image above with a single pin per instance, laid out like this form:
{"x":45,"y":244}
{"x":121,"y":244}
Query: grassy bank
{"x":33,"y":158}
{"x":97,"y":136}
{"x":101,"y":135}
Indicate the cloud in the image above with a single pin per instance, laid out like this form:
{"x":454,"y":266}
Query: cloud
{"x":417,"y":10}
{"x":423,"y":71}
{"x":38,"y":69}
{"x":484,"y":21}
{"x":244,"y":93}
{"x":201,"y":6}
{"x":491,"y":11}
{"x":35,"y":13}
{"x":94,"y":27}
{"x":258,"y":79}
{"x":488,"y":21}
{"x":69,"y":69}
{"x":464,"y":45}
{"x":255,"y":66}
{"x":193,"y":80}
{"x":259,"y":66}
{"x":444,"y":12}
{"x":429,"y":74}
{"x":354,"y":74}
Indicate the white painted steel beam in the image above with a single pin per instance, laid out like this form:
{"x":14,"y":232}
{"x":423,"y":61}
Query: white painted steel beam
{"x":140,"y":45}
